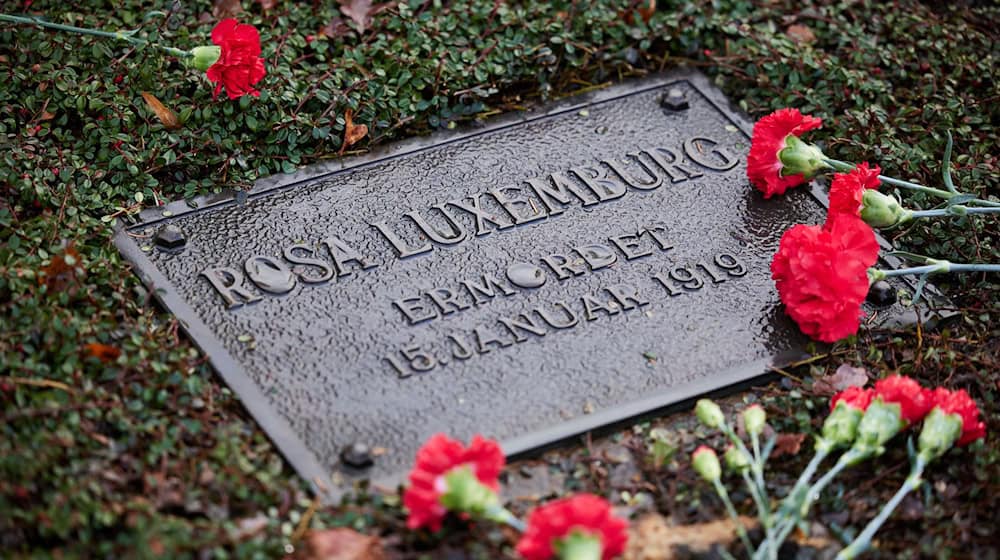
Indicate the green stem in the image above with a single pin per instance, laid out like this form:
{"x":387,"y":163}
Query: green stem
{"x":127,"y":36}
{"x":844,"y":167}
{"x":740,"y":529}
{"x":503,"y":515}
{"x":796,"y":497}
{"x":939,"y":266}
{"x":863,"y":540}
{"x":813,"y":492}
{"x":950,"y":212}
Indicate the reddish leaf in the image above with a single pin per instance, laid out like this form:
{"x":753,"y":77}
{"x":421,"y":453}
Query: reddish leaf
{"x":103,"y":352}
{"x":788,"y":444}
{"x":845,"y":376}
{"x":62,"y":270}
{"x":162,"y":112}
{"x":267,"y":4}
{"x":342,"y":544}
{"x":646,"y":9}
{"x":353,"y":132}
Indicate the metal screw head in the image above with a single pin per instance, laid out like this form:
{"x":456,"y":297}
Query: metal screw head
{"x":170,"y":237}
{"x":357,"y":455}
{"x":881,"y":293}
{"x":675,"y":100}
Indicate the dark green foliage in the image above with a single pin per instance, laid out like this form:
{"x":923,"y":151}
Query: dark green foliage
{"x":148,"y":453}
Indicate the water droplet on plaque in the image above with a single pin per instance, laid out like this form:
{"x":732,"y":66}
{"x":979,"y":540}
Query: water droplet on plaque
{"x":526,"y":275}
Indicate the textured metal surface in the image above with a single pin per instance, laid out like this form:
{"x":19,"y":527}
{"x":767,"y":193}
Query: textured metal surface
{"x":309,"y":359}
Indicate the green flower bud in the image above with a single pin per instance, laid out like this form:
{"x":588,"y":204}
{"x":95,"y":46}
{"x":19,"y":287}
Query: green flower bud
{"x":881,"y":210}
{"x":798,"y":157}
{"x":754,"y":419}
{"x":203,"y":57}
{"x":709,"y":413}
{"x":706,"y":463}
{"x":879,"y":424}
{"x":940,"y":432}
{"x":736,"y":460}
{"x":465,"y":494}
{"x":841,"y":426}
{"x":579,"y":545}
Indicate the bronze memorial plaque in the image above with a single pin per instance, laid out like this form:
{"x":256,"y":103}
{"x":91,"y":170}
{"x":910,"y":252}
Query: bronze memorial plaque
{"x":540,"y":276}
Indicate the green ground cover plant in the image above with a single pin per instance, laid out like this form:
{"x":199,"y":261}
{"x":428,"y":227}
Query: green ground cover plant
{"x":117,"y":439}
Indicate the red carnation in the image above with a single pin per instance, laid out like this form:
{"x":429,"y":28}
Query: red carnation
{"x":847,"y":189}
{"x":764,"y":167}
{"x":960,"y":404}
{"x":552,"y":525}
{"x":438,"y":457}
{"x":239,"y":66}
{"x":854,"y":397}
{"x":822,"y":275}
{"x":914,"y":401}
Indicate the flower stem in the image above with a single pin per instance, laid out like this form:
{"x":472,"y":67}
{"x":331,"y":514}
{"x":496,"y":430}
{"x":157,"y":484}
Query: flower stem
{"x":863,"y":540}
{"x":128,"y":36}
{"x":951,"y":211}
{"x":737,"y":524}
{"x":939,"y":266}
{"x":791,"y":506}
{"x":812,"y":493}
{"x":844,"y":166}
{"x":503,"y":515}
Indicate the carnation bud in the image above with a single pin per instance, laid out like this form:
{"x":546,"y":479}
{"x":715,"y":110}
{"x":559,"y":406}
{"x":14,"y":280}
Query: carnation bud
{"x":466,"y":494}
{"x":709,"y":413}
{"x":203,"y":57}
{"x":754,"y":418}
{"x":798,"y":157}
{"x":736,"y":460}
{"x":841,"y":426}
{"x":578,"y":545}
{"x":879,"y":424}
{"x":940,"y":432}
{"x":881,"y":210}
{"x":706,"y":463}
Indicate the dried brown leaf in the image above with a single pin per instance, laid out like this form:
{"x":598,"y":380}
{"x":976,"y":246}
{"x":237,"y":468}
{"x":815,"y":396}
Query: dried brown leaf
{"x":654,"y":538}
{"x":788,"y":444}
{"x":845,"y":376}
{"x":267,"y":4}
{"x":336,"y":28}
{"x":353,"y":132}
{"x":166,"y":116}
{"x":222,"y":9}
{"x":800,"y":33}
{"x":342,"y":544}
{"x":362,"y":11}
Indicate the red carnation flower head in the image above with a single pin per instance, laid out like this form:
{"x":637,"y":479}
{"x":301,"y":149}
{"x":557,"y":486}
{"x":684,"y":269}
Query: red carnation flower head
{"x":567,"y":526}
{"x":960,"y":404}
{"x":914,"y":401}
{"x":443,"y":462}
{"x":854,"y":397}
{"x":768,"y":168}
{"x":239,"y":65}
{"x":822,"y":275}
{"x":847,"y":189}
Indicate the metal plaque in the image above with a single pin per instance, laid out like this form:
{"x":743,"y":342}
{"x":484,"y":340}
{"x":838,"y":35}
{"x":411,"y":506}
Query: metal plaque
{"x":544,"y":275}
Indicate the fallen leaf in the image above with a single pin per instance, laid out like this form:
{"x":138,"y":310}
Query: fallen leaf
{"x":222,"y":9}
{"x":46,"y":116}
{"x":353,"y":132}
{"x":267,"y":4}
{"x":166,"y":116}
{"x":342,"y":544}
{"x":62,"y":270}
{"x":654,"y":538}
{"x":787,"y":444}
{"x":102,"y":352}
{"x":845,"y":376}
{"x":336,"y":28}
{"x":646,"y":9}
{"x":362,"y":11}
{"x":800,"y":33}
